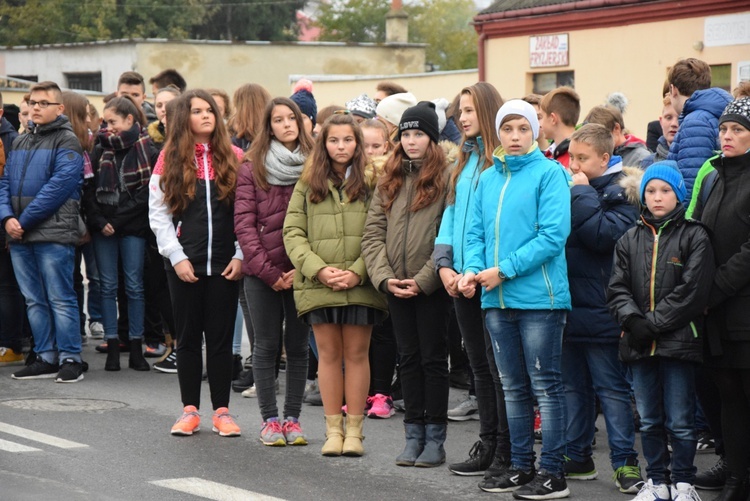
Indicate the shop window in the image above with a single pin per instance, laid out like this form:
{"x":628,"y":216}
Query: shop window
{"x":542,"y":83}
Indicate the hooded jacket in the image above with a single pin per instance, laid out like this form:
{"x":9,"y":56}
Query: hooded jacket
{"x":633,"y":151}
{"x":328,"y":233}
{"x":259,"y":224}
{"x":399,"y":244}
{"x":449,"y":244}
{"x":204,"y":231}
{"x":42,"y":183}
{"x":601,"y":213}
{"x":727,"y":215}
{"x":698,"y":136}
{"x":663,"y":271}
{"x":661,"y":153}
{"x":520,"y":222}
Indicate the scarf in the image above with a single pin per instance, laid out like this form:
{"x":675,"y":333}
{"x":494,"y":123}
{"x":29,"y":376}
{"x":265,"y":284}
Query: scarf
{"x":283,"y":167}
{"x":132,"y":174}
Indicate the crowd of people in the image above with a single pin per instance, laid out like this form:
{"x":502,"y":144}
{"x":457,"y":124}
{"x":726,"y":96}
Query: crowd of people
{"x":582,"y":269}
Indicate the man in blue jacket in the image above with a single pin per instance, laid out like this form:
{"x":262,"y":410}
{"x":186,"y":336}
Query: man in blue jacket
{"x":700,"y":107}
{"x":39,"y":209}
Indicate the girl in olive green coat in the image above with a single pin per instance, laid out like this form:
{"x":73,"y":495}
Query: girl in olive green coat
{"x":322,"y":233}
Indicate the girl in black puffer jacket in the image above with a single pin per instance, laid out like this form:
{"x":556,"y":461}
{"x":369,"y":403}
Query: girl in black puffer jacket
{"x":660,"y":283}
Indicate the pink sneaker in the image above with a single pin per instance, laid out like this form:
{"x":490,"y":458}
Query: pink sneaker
{"x":382,"y":406}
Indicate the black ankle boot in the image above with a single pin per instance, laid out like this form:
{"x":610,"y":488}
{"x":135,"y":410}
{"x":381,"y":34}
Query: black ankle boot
{"x":136,"y":360}
{"x":113,"y":355}
{"x":735,"y":489}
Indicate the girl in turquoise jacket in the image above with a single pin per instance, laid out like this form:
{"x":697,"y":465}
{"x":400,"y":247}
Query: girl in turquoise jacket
{"x":515,"y":250}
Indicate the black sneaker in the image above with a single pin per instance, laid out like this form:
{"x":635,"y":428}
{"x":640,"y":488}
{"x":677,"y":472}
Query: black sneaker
{"x":705,"y":443}
{"x":500,"y":464}
{"x":38,"y":369}
{"x":480,"y":458}
{"x":713,"y":479}
{"x":510,"y":480}
{"x":628,"y":477}
{"x":168,"y":365}
{"x":244,"y":381}
{"x":70,"y":371}
{"x":580,"y":470}
{"x":544,"y":486}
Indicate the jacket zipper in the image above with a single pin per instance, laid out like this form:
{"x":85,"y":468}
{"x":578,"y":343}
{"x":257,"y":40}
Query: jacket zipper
{"x":23,"y":173}
{"x":406,"y":227}
{"x":548,"y":283}
{"x":472,"y":189}
{"x":497,"y":235}
{"x":654,"y":256}
{"x":208,"y":209}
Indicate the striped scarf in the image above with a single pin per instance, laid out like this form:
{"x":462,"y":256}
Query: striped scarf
{"x":134,"y":172}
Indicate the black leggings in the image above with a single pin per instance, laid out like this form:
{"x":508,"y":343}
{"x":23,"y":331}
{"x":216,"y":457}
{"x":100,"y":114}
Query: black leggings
{"x":383,"y":355}
{"x":205,"y":308}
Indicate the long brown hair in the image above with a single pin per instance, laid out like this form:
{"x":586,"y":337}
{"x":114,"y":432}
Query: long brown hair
{"x":262,"y":143}
{"x":124,"y":106}
{"x":487,"y":101}
{"x":318,"y":168}
{"x":179,"y":178}
{"x":249,"y":104}
{"x":430,"y":183}
{"x":77,"y":112}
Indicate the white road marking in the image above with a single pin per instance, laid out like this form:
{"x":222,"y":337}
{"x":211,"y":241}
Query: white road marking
{"x":14,"y":447}
{"x":211,"y":490}
{"x":39,"y":437}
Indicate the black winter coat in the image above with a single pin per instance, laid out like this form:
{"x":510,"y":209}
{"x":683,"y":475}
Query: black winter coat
{"x":601,"y":213}
{"x":727,"y":216}
{"x":663,"y":271}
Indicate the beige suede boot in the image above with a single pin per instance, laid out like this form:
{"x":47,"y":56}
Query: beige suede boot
{"x":334,"y":435}
{"x":354,"y":437}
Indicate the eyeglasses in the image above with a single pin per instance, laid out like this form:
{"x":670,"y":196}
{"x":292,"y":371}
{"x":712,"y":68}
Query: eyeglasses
{"x":42,"y":104}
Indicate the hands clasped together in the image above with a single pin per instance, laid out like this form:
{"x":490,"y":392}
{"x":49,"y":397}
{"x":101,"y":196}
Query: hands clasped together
{"x":337,"y":279}
{"x":466,"y":285}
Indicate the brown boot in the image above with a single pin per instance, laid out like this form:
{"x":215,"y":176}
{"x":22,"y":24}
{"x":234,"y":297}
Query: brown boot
{"x":334,"y":435}
{"x":354,"y":437}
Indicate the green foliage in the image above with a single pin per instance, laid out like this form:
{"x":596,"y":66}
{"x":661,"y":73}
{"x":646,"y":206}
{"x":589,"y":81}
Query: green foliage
{"x":353,"y":20}
{"x":32,"y":22}
{"x":442,"y":24}
{"x":252,"y":20}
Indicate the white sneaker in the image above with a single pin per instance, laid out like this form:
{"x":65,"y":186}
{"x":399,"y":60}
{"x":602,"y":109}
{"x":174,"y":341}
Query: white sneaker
{"x":651,"y":492}
{"x":310,"y":386}
{"x":97,"y":330}
{"x":682,"y":491}
{"x":466,"y":410}
{"x":252,"y":392}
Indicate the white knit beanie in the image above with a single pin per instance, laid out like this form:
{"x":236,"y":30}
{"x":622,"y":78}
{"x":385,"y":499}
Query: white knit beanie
{"x":392,"y":107}
{"x":517,"y":107}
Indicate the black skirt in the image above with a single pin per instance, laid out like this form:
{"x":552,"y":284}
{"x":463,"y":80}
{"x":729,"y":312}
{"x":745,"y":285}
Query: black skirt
{"x":352,"y":314}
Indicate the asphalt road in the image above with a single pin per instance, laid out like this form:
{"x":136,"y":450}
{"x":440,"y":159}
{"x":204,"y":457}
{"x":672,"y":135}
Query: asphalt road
{"x":107,"y":438}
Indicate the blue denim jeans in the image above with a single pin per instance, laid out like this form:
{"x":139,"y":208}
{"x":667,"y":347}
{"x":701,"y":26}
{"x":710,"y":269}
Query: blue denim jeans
{"x":665,"y":397}
{"x":45,"y":276}
{"x":593,"y":370}
{"x":132,"y":252}
{"x":94,"y":297}
{"x":528,"y":347}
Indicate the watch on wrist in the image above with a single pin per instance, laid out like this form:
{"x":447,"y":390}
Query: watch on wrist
{"x":501,"y":275}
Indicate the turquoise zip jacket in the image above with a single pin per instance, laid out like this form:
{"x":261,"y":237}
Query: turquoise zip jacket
{"x":520,"y":222}
{"x":449,"y":244}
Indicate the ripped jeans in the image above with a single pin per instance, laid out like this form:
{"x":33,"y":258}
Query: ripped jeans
{"x":528,"y":352}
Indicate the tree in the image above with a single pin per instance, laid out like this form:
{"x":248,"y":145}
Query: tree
{"x":251,"y":20}
{"x":353,"y":20}
{"x":33,"y":22}
{"x":442,"y":24}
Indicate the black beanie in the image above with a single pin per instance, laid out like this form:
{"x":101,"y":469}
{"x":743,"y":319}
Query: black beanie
{"x":421,"y":117}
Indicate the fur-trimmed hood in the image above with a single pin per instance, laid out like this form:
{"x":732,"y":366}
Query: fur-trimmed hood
{"x":376,"y":166}
{"x":631,"y":182}
{"x":156,"y":131}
